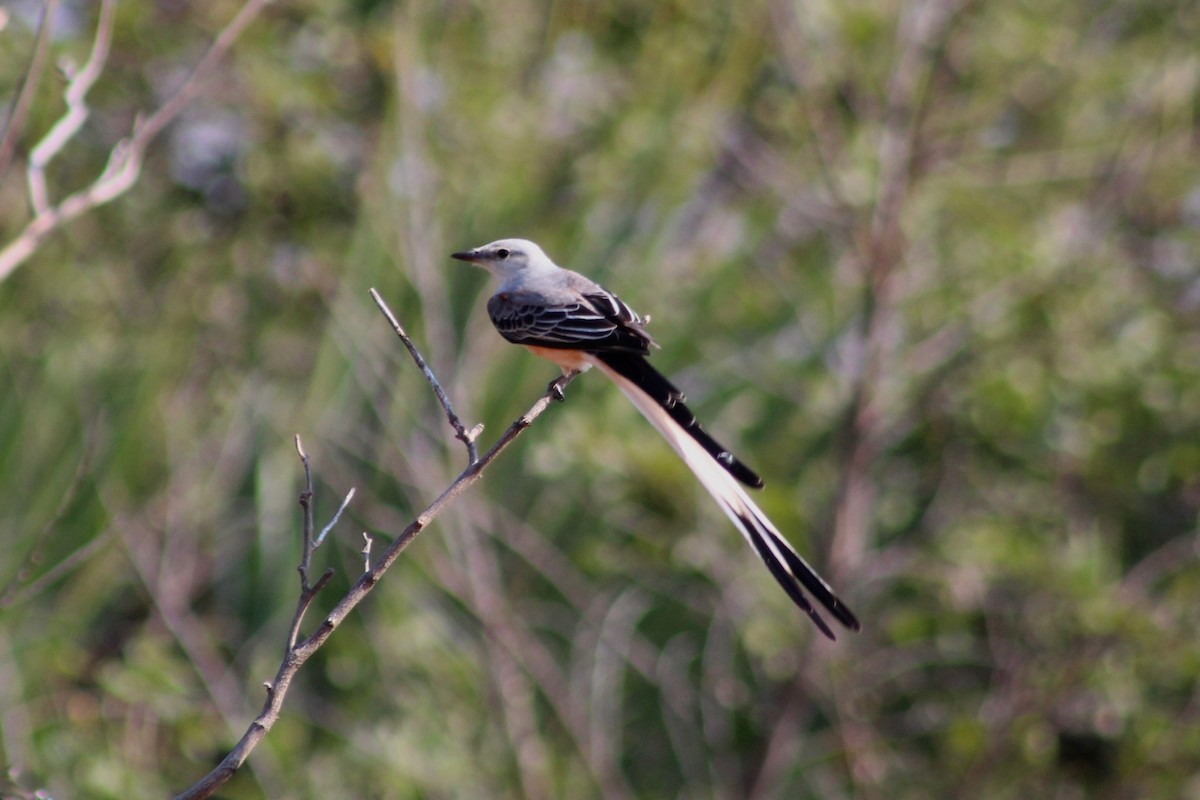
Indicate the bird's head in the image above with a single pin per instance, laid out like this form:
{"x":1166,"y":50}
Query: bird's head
{"x":508,"y":258}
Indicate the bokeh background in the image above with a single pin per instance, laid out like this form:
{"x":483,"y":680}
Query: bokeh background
{"x":932,"y":267}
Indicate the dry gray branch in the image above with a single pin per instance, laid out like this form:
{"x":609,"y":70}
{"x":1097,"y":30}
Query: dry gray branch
{"x":298,"y":650}
{"x":460,"y":431}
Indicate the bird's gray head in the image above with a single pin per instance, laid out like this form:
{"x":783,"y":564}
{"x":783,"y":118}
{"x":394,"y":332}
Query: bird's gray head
{"x":509,"y":259}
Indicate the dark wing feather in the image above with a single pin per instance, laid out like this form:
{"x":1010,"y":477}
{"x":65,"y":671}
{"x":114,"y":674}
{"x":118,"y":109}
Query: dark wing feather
{"x":614,"y":309}
{"x":601,"y":324}
{"x":598,"y":323}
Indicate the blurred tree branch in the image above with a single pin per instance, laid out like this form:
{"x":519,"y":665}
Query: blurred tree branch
{"x":33,"y":76}
{"x":298,"y":650}
{"x":125,"y":160}
{"x":69,"y":124}
{"x":881,"y":252}
{"x":23,"y":586}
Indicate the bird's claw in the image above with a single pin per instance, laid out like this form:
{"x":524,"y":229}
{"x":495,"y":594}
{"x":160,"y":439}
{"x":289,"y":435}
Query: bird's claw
{"x":555,"y":390}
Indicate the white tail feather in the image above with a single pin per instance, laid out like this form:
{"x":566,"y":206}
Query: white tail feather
{"x":748,"y":518}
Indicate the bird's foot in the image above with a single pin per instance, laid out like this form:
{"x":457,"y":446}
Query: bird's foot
{"x":556,"y":386}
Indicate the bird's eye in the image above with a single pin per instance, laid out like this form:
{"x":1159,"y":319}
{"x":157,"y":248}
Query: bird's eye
{"x":501,"y":254}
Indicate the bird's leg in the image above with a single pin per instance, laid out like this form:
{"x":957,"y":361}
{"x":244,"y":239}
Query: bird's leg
{"x":555,"y":387}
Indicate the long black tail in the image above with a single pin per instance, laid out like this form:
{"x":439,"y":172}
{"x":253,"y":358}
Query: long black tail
{"x":793,"y":572}
{"x":638,"y":370}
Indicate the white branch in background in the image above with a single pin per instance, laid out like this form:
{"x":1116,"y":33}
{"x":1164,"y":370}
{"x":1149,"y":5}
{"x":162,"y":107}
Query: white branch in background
{"x":64,"y":130}
{"x":325,"y":531}
{"x":125,"y":161}
{"x":19,"y":111}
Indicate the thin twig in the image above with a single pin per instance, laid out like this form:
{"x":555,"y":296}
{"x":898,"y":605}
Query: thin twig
{"x":336,"y":516}
{"x":18,"y":593}
{"x":306,"y":504}
{"x":298,"y":652}
{"x":788,"y":31}
{"x":460,"y":431}
{"x":166,"y":113}
{"x":922,"y":30}
{"x":33,"y":76}
{"x":306,"y":597}
{"x":19,"y":590}
{"x":125,"y":160}
{"x":69,"y":124}
{"x":366,"y":551}
{"x":311,"y":543}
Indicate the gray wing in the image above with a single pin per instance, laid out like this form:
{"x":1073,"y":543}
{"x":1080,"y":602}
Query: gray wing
{"x":597,"y":321}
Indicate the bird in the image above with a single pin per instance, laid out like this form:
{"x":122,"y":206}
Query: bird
{"x":565,"y":317}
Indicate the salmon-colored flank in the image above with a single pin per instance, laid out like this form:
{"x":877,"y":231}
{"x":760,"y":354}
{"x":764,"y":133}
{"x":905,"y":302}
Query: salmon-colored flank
{"x":567,"y":359}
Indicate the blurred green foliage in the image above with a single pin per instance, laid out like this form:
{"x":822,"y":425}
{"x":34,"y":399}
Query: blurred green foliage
{"x":982,"y":416}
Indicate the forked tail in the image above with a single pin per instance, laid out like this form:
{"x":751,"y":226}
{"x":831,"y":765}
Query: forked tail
{"x":717,"y":475}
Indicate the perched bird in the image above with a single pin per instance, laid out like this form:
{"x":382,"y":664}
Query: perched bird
{"x":562,"y":316}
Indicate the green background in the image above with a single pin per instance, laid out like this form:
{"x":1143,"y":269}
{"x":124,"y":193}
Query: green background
{"x":930,"y":268}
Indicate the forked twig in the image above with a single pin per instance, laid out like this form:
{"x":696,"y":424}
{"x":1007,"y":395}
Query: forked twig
{"x":299,"y":650}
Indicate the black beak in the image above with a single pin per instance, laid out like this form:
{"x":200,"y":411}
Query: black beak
{"x":466,"y":255}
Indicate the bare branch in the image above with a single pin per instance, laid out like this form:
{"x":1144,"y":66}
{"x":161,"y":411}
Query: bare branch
{"x":460,"y":431}
{"x":306,"y":504}
{"x":21,"y":592}
{"x":824,"y":147}
{"x":297,"y":651}
{"x":923,"y":29}
{"x":20,"y":106}
{"x":366,"y":551}
{"x":336,"y":516}
{"x":22,"y":588}
{"x":75,"y":95}
{"x":125,"y":161}
{"x":146,"y":130}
